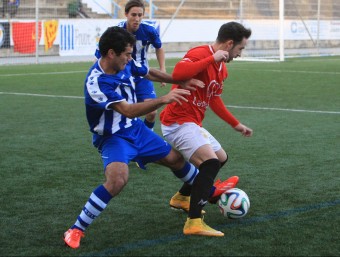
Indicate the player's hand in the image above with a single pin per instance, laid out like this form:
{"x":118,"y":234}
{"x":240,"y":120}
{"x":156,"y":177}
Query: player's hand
{"x":191,"y":84}
{"x":176,"y":95}
{"x":244,"y":130}
{"x":221,"y":56}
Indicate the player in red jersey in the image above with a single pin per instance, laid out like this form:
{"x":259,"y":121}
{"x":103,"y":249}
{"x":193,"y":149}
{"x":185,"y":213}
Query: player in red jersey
{"x":182,"y":124}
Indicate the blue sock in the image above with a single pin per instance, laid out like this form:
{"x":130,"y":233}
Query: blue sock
{"x":149,"y":124}
{"x":187,"y":174}
{"x":97,"y":202}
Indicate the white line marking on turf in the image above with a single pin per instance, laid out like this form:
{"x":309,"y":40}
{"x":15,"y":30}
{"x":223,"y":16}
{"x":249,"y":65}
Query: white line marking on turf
{"x":281,"y":109}
{"x":42,"y":73}
{"x":56,"y":96}
{"x":292,"y":71}
{"x":229,"y":106}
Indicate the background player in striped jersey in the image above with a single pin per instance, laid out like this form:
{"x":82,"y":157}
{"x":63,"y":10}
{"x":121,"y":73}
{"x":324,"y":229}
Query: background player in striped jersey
{"x":146,"y":35}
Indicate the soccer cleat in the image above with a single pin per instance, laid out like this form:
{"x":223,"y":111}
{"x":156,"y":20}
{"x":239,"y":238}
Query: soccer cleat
{"x":181,"y":202}
{"x":200,"y":228}
{"x":72,"y":237}
{"x":222,"y":187}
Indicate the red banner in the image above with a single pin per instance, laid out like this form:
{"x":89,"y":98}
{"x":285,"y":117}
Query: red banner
{"x":24,"y":36}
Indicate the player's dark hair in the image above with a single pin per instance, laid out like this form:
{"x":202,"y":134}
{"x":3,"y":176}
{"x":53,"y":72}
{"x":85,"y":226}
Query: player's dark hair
{"x":134,"y":3}
{"x":233,"y":31}
{"x":117,"y":39}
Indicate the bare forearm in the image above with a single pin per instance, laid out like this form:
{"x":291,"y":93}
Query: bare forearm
{"x":137,"y":109}
{"x":159,"y":76}
{"x":140,"y":109}
{"x":161,"y":58}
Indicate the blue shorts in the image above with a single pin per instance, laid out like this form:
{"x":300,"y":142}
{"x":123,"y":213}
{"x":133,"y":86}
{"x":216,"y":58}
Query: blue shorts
{"x":137,"y":143}
{"x":144,"y":89}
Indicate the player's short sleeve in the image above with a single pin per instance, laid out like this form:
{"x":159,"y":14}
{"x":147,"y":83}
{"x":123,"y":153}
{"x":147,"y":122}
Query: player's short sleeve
{"x":100,"y":92}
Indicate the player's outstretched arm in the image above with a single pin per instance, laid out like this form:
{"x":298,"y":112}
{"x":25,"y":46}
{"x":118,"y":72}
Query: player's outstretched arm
{"x":142,"y":108}
{"x":160,"y":76}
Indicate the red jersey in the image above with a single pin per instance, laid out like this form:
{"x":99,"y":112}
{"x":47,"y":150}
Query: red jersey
{"x":198,"y":63}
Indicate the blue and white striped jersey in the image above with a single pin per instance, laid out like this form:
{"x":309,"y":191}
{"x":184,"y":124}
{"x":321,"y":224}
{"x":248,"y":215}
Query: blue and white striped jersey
{"x":146,"y":35}
{"x":102,"y":89}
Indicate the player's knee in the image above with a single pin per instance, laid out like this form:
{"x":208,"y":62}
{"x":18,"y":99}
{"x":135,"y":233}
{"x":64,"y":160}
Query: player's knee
{"x":225,"y":161}
{"x":210,"y":168}
{"x":116,"y":179}
{"x":174,"y":160}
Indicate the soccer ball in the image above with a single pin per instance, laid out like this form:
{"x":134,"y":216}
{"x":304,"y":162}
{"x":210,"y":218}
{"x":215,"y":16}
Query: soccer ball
{"x":234,"y":203}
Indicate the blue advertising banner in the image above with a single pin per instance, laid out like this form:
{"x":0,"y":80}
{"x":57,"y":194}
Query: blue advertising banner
{"x":5,"y":41}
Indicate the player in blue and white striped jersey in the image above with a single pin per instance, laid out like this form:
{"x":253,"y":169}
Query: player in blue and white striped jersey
{"x":146,"y":34}
{"x":118,"y":134}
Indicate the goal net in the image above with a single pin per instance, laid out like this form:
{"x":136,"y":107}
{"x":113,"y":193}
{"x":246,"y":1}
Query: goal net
{"x":292,"y":28}
{"x":281,"y":28}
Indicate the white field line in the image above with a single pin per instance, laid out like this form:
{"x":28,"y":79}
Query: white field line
{"x":42,"y":73}
{"x":293,"y":71}
{"x":229,"y":106}
{"x":281,"y":109}
{"x":42,"y":95}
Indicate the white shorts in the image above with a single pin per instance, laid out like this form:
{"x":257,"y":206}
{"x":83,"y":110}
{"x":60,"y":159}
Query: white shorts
{"x":188,"y":137}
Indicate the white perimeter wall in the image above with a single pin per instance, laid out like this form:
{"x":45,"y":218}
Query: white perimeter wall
{"x":80,"y":36}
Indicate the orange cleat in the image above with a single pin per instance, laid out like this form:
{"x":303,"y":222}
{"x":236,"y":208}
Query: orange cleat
{"x":222,"y":187}
{"x":72,"y":237}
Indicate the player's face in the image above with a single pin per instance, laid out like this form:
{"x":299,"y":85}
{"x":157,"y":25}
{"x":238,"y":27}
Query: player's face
{"x":120,"y":61}
{"x":236,"y":50}
{"x":134,"y":18}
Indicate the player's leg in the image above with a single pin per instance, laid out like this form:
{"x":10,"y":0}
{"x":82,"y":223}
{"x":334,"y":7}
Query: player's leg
{"x":155,"y":149}
{"x":194,"y":144}
{"x":194,"y":225}
{"x":181,"y":137}
{"x":185,"y":190}
{"x":222,"y":186}
{"x":181,"y":200}
{"x":206,"y":160}
{"x":114,"y":155}
{"x":187,"y":138}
